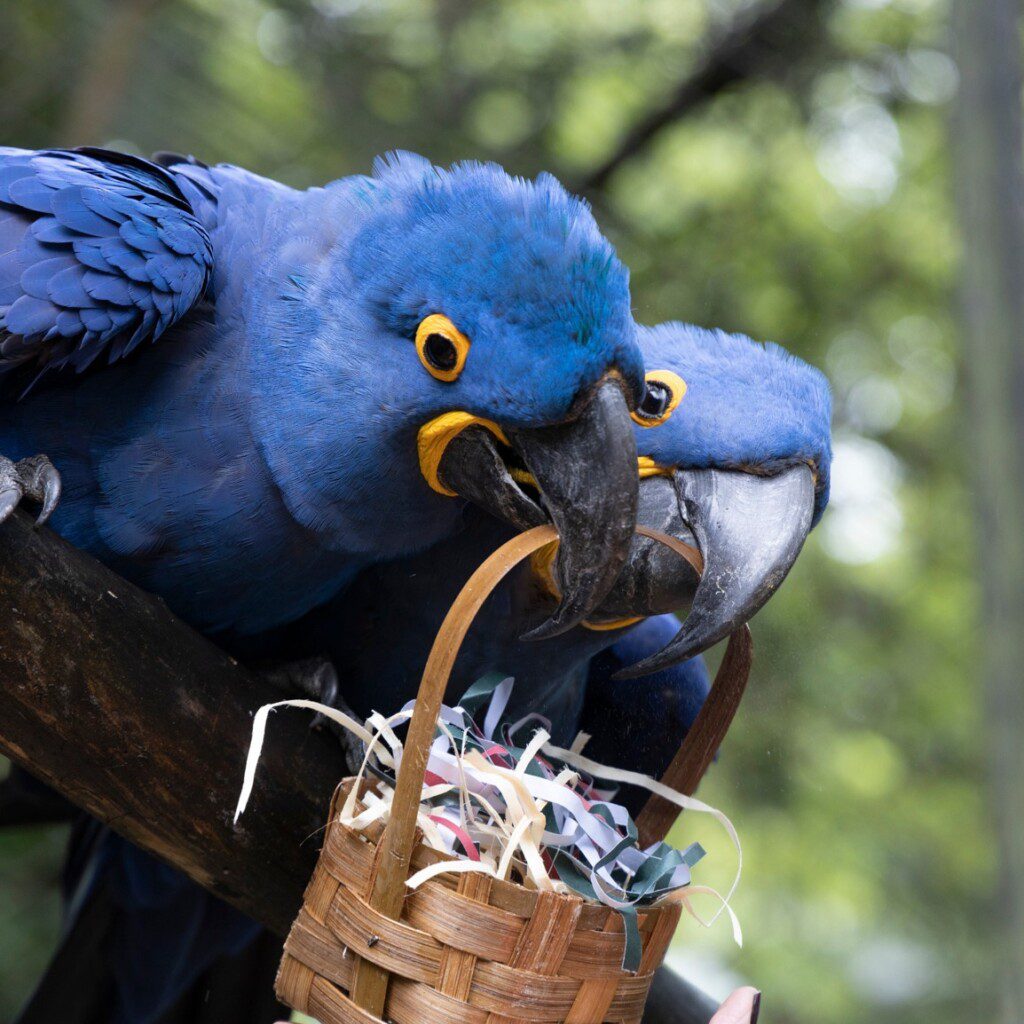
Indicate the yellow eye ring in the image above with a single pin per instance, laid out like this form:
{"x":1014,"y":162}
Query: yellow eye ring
{"x":665,"y":391}
{"x":442,"y":347}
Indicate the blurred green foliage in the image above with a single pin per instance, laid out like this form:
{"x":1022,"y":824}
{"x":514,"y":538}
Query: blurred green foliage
{"x":813,"y":211}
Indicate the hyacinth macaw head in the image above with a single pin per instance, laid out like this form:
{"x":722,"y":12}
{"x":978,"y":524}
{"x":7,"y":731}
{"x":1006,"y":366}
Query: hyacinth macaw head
{"x":496,"y":361}
{"x":734,"y":443}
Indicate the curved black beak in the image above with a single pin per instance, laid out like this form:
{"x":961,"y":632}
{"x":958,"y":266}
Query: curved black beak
{"x":750,"y":530}
{"x":580,"y":475}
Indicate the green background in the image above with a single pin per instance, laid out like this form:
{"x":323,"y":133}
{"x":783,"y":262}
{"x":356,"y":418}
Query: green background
{"x":810,"y":206}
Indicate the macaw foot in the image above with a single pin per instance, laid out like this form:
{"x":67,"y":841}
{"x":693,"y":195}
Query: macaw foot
{"x":316,"y":679}
{"x":34,"y":478}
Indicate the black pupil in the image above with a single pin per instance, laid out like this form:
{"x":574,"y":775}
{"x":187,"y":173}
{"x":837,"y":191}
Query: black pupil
{"x":440,"y":352}
{"x":655,"y":400}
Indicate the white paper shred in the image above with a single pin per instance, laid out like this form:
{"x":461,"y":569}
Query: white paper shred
{"x":492,"y":804}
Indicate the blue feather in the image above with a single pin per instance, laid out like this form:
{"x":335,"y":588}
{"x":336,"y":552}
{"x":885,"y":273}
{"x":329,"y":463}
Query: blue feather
{"x":35,"y":280}
{"x":49,"y":230}
{"x":29,"y":316}
{"x":70,"y":208}
{"x":65,"y":287}
{"x":64,"y":208}
{"x":30,"y":194}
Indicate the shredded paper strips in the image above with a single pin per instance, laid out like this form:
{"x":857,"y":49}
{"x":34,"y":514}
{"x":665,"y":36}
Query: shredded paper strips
{"x":534,"y":813}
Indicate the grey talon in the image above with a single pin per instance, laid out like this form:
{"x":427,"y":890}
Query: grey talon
{"x":34,"y":478}
{"x":50,"y":483}
{"x":316,"y":679}
{"x":325,"y":680}
{"x":9,"y":498}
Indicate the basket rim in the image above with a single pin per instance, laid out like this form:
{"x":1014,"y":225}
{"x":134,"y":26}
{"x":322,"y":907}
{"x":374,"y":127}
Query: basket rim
{"x":510,"y":888}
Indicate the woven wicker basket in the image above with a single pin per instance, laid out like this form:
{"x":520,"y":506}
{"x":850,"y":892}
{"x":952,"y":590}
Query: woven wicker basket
{"x":471,"y":949}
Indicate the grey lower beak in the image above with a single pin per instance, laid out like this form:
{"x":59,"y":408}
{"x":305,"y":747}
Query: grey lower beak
{"x":750,"y":530}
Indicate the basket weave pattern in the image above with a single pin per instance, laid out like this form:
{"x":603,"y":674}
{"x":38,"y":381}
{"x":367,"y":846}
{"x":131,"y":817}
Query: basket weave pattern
{"x":469,"y":949}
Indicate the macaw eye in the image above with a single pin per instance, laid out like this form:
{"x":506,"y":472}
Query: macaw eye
{"x":442,"y":347}
{"x":663,"y":393}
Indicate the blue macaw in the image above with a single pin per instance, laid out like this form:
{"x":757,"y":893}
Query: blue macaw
{"x":247,"y":390}
{"x":314,"y":349}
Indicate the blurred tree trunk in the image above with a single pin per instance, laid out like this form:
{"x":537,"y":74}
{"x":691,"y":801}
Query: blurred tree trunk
{"x":110,"y":59}
{"x":987,"y":144}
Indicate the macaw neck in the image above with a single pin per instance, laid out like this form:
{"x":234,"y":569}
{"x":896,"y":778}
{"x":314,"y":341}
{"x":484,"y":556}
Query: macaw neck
{"x":358,"y":488}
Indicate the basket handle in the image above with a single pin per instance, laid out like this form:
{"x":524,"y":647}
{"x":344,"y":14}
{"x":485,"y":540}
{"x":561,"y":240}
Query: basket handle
{"x":394,"y":852}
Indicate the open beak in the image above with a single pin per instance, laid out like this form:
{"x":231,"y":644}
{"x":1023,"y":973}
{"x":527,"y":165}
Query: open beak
{"x":580,"y":475}
{"x":749,"y":530}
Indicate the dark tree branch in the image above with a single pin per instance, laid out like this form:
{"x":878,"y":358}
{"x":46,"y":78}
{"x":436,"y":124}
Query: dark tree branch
{"x":767,"y":44}
{"x":133,"y":716}
{"x":129,"y":713}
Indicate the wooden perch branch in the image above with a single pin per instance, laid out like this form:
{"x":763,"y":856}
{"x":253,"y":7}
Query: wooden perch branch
{"x":768,"y":44}
{"x":128,"y":712}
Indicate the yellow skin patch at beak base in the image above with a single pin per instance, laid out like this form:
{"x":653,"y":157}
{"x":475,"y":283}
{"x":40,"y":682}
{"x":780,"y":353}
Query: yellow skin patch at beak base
{"x":602,"y":627}
{"x":646,"y":466}
{"x":434,"y":437}
{"x":522,"y":476}
{"x":541,"y":562}
{"x":540,"y":565}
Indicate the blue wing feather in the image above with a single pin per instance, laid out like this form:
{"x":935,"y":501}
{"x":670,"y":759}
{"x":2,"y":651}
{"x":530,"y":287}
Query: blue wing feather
{"x":99,"y":252}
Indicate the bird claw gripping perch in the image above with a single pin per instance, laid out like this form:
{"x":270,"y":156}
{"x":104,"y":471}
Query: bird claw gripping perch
{"x":34,"y":478}
{"x":317,"y":679}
